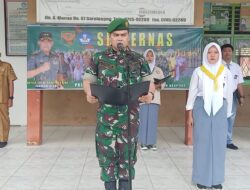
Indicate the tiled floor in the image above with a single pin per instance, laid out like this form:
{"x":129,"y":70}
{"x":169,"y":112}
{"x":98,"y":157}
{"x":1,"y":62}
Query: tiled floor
{"x":66,"y":161}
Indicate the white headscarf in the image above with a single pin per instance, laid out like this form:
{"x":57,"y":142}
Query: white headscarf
{"x":213,"y":100}
{"x":152,"y":64}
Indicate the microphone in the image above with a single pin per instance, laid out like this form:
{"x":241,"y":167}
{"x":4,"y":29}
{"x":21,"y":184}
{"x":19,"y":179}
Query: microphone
{"x":123,"y":49}
{"x":120,"y":47}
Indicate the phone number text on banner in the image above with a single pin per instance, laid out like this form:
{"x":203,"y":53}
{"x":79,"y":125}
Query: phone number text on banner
{"x":138,"y":12}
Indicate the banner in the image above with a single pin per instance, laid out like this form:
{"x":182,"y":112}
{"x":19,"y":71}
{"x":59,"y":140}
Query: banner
{"x":138,"y":12}
{"x":178,"y":52}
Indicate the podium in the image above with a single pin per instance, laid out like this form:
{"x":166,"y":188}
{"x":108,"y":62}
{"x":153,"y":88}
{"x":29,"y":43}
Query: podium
{"x":120,"y":96}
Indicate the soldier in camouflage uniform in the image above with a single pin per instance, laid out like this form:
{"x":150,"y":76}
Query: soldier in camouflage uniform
{"x":109,"y":69}
{"x":44,"y":66}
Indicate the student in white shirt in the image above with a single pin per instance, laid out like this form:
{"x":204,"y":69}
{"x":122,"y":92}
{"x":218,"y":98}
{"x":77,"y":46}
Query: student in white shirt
{"x":147,"y":135}
{"x":210,"y":93}
{"x":238,"y":95}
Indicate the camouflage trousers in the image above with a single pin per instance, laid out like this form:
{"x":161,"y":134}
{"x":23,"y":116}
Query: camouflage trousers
{"x":113,"y":151}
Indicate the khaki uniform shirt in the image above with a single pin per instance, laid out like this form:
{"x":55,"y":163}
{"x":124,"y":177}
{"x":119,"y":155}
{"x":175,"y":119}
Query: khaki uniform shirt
{"x":7,"y":75}
{"x":158,"y":74}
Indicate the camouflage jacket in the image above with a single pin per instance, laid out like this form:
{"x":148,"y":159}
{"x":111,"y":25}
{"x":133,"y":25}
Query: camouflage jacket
{"x":110,"y":69}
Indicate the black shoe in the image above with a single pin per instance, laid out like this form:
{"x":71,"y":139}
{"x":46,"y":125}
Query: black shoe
{"x":3,"y":144}
{"x":123,"y":184}
{"x":199,"y":186}
{"x":232,"y":146}
{"x":111,"y":185}
{"x":144,"y":147}
{"x":152,"y":147}
{"x":218,"y":187}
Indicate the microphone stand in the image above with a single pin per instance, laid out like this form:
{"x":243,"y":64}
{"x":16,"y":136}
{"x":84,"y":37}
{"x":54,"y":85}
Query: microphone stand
{"x":129,"y":128}
{"x":126,"y":60}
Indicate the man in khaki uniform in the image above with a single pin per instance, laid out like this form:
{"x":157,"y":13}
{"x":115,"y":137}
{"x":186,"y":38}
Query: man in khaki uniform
{"x":7,"y":77}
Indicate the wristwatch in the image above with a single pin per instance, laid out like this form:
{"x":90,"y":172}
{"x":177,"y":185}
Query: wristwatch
{"x":11,"y":97}
{"x":153,"y":96}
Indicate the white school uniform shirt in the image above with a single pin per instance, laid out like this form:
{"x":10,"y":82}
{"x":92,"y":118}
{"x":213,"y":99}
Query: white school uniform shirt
{"x":203,"y":85}
{"x":237,"y":75}
{"x":196,"y":88}
{"x":157,"y":73}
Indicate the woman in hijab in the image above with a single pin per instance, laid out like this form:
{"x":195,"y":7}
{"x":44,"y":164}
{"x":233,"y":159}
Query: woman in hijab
{"x":149,"y":112}
{"x":210,"y":92}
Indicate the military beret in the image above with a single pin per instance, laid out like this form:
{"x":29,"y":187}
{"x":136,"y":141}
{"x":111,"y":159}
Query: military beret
{"x":46,"y":35}
{"x":118,"y":24}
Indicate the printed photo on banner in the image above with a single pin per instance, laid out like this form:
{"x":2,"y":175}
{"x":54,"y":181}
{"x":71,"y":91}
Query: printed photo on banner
{"x":58,"y":56}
